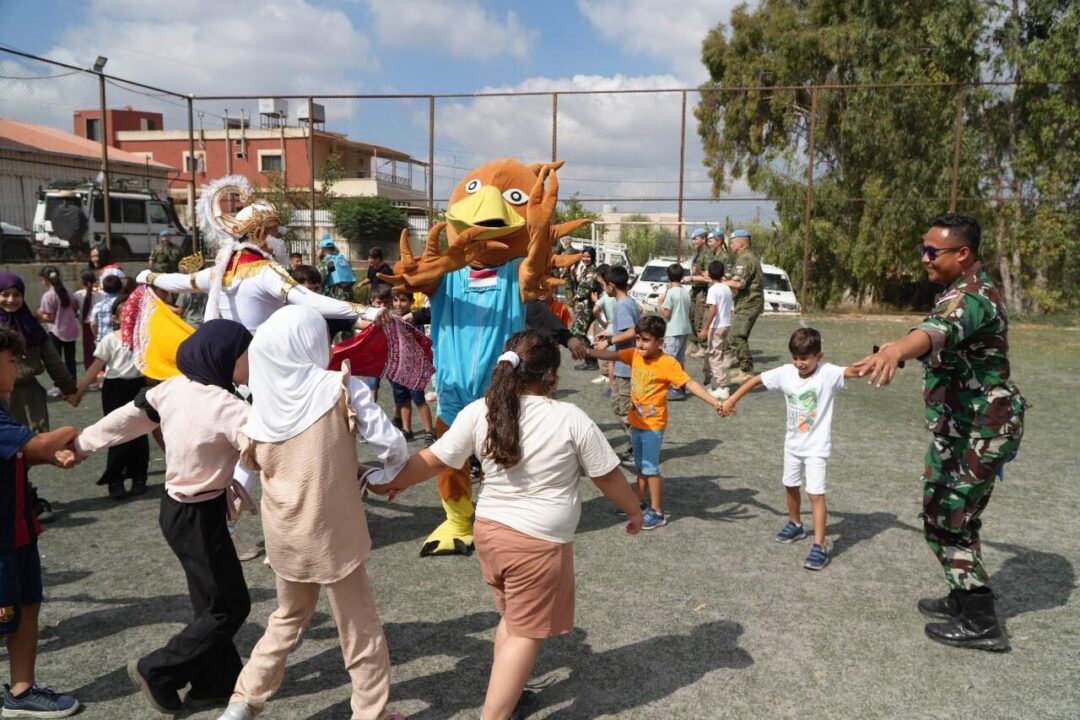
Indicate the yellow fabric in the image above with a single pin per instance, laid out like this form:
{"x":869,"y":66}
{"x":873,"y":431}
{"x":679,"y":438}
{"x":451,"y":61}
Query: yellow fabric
{"x":165,"y":331}
{"x":650,"y":381}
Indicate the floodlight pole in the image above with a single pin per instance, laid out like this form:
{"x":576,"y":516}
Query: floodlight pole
{"x":809,"y":213}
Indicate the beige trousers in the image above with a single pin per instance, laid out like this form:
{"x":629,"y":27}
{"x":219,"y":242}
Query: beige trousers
{"x":719,"y":358}
{"x":362,"y":644}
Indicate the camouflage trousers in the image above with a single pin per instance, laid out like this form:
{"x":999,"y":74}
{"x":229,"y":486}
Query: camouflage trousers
{"x":583,"y":318}
{"x":698,"y":311}
{"x":958,"y":479}
{"x":742,"y":323}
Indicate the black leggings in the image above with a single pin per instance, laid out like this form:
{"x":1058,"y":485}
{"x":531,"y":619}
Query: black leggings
{"x":130,"y":459}
{"x":66,"y":349}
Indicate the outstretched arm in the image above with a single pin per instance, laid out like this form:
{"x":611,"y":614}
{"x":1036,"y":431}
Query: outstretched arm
{"x":120,"y":426}
{"x":699,"y":390}
{"x":48,"y":447}
{"x":178,"y":282}
{"x":729,"y":404}
{"x":881,"y":366}
{"x":421,"y":466}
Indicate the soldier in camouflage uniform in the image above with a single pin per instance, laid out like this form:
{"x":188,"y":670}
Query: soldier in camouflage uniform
{"x":165,"y":257}
{"x":975,"y":415}
{"x":583,"y":287}
{"x":747,"y":283}
{"x":698,"y":281}
{"x":720,"y":251}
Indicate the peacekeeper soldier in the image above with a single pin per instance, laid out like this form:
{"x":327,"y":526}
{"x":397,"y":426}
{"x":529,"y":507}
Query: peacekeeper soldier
{"x":975,"y":416}
{"x":720,"y":251}
{"x":699,"y":287}
{"x":165,"y":258}
{"x":747,"y":284}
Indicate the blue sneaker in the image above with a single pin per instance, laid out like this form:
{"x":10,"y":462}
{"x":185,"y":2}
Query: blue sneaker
{"x":653,"y":520}
{"x":790,"y":533}
{"x":620,"y":513}
{"x":818,"y":558}
{"x":39,"y":702}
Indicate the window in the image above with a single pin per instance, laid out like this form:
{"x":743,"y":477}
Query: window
{"x":147,"y":124}
{"x":114,"y":210}
{"x":270,"y":162}
{"x":200,"y":162}
{"x":93,"y":129}
{"x":158,"y":214}
{"x":134,"y":211}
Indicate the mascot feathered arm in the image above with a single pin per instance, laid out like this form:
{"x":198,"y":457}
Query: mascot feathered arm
{"x":533,"y":274}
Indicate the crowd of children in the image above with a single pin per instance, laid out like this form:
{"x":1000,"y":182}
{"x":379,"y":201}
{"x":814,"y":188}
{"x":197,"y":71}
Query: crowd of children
{"x":298,"y":433}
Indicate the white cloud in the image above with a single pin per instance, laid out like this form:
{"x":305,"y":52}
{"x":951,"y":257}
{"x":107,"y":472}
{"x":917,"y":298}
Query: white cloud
{"x":616,"y":146}
{"x":462,"y":28}
{"x":666,"y":31}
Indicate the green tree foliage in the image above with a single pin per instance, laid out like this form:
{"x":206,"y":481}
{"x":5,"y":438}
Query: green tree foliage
{"x":646,"y":241}
{"x":883,"y":156}
{"x":367,"y":221}
{"x":572,"y":209}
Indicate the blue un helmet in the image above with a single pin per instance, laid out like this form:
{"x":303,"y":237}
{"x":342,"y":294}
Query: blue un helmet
{"x":699,"y":232}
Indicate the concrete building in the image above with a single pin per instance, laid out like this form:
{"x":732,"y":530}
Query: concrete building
{"x":32,"y":156}
{"x":273,"y":153}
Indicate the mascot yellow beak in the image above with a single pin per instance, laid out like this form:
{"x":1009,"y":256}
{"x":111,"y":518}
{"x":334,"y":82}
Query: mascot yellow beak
{"x":485,"y":208}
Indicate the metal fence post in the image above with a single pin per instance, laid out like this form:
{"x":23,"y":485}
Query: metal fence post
{"x":682,"y":177}
{"x":958,"y":134}
{"x":809,"y":214}
{"x":554,"y":126}
{"x":311,"y":170}
{"x":191,"y":185}
{"x":431,"y":163}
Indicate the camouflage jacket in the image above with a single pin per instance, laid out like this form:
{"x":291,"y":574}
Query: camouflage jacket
{"x":166,"y":258}
{"x":966,"y":377}
{"x":699,"y":265}
{"x":746,"y":269}
{"x":583,"y":282}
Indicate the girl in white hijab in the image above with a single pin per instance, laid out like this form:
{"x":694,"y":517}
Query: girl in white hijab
{"x":302,"y":435}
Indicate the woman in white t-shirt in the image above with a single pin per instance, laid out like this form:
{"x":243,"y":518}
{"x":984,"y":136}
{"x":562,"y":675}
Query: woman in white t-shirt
{"x":123,"y":381}
{"x":532,"y":449}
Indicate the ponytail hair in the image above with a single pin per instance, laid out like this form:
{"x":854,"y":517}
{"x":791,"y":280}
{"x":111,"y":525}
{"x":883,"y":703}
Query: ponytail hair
{"x":88,"y":278}
{"x":535,"y":372}
{"x":52,"y":276}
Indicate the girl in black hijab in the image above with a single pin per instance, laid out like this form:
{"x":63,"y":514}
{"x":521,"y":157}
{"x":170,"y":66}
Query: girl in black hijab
{"x":200,"y":416}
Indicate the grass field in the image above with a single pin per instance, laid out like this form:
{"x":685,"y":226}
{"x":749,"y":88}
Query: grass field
{"x":705,"y":618}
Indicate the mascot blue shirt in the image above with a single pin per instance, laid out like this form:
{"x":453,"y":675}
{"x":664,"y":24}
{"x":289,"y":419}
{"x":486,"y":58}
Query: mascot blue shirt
{"x":472,"y":314}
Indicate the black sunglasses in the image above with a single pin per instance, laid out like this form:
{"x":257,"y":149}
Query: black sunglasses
{"x":933,"y":252}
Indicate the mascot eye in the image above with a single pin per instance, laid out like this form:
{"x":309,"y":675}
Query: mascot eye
{"x":472,"y":186}
{"x":515,"y":196}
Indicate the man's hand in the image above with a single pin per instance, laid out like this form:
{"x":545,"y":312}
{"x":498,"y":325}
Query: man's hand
{"x":704,"y":334}
{"x":880,"y":366}
{"x":578,"y":350}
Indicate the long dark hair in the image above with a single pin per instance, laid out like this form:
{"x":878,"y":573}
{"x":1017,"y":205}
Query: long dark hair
{"x":52,"y":276}
{"x":104,"y":258}
{"x":537,"y":372}
{"x":88,"y":280}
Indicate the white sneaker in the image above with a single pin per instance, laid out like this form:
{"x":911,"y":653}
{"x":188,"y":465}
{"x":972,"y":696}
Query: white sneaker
{"x":237,"y":711}
{"x":720,"y":393}
{"x":53,"y":392}
{"x":598,"y":380}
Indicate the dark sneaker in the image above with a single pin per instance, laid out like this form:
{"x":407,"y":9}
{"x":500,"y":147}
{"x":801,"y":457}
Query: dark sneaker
{"x":164,"y":701}
{"x":42,"y":507}
{"x":39,"y":702}
{"x":409,"y":435}
{"x":117,"y":491}
{"x":818,"y":557}
{"x":620,"y":513}
{"x":653,"y":520}
{"x":790,"y":533}
{"x":138,"y":486}
{"x":627,"y":458}
{"x":429,"y":439}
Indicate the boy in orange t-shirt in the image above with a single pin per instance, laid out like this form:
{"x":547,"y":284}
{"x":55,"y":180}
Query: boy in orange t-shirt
{"x":652,"y":374}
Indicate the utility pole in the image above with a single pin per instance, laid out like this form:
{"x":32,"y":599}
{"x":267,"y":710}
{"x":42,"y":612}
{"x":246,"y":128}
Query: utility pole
{"x":103,"y":128}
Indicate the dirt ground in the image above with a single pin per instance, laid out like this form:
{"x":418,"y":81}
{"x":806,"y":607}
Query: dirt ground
{"x":707,"y":617}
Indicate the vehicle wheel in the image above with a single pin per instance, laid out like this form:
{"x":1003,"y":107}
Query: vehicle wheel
{"x":13,"y":250}
{"x":120,"y":250}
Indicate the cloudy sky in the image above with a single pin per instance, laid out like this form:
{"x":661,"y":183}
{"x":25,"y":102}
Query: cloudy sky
{"x":616,"y":146}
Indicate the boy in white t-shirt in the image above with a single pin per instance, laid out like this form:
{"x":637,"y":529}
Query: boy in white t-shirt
{"x":717,"y":326}
{"x":809,"y":386}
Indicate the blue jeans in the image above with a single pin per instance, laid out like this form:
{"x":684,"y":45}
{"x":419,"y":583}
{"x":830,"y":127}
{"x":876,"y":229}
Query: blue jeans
{"x":646,"y":444}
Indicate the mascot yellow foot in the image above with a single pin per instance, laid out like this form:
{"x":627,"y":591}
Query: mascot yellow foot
{"x":455,"y":535}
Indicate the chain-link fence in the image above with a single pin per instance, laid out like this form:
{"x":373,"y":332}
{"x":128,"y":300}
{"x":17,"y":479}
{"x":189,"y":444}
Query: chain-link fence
{"x":836,"y":183}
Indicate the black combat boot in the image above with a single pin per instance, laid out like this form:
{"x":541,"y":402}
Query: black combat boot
{"x":945,"y":608}
{"x":975,"y":627}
